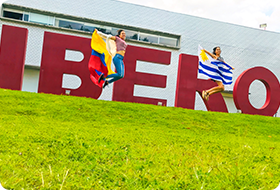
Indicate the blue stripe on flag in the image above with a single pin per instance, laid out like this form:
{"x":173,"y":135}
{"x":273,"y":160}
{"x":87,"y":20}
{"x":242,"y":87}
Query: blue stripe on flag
{"x":224,"y":70}
{"x":98,"y":72}
{"x":101,"y":56}
{"x":218,"y":78}
{"x":216,"y":71}
{"x":220,"y":63}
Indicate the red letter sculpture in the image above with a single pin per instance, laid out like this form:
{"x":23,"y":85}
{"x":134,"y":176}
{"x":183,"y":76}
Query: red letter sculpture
{"x":54,"y":65}
{"x":124,"y":88}
{"x":241,"y":91}
{"x":12,"y":57}
{"x":188,"y":84}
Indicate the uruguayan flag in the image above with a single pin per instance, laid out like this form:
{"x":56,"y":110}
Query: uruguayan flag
{"x":213,"y":68}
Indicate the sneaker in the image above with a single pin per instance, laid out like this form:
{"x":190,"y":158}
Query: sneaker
{"x":101,"y":78}
{"x":106,"y":83}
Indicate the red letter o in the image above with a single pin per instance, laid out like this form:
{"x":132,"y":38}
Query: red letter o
{"x":241,"y":91}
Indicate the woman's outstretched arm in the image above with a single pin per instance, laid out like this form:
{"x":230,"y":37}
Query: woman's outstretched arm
{"x":105,"y":36}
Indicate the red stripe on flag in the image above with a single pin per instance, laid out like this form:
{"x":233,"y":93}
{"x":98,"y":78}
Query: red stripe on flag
{"x":96,"y":64}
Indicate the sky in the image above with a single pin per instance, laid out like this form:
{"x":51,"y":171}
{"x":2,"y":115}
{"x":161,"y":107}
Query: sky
{"x":250,"y":13}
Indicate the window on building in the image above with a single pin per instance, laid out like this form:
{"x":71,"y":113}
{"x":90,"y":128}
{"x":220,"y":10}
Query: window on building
{"x":106,"y":30}
{"x":12,"y":15}
{"x":41,"y":19}
{"x":131,"y":35}
{"x":89,"y":28}
{"x":29,"y":17}
{"x":75,"y":25}
{"x":148,"y":38}
{"x":168,"y":41}
{"x":26,"y":17}
{"x":71,"y":25}
{"x":159,"y":38}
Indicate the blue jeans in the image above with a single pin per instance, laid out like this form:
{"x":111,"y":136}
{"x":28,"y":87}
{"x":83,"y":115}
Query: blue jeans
{"x":118,"y":62}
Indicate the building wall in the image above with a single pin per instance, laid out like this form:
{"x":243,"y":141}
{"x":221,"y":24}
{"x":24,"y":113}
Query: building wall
{"x":242,"y":47}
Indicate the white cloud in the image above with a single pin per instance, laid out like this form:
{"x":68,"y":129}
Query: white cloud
{"x":249,"y":13}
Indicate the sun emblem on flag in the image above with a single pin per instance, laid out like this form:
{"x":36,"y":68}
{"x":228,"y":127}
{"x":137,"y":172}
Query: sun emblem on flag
{"x":203,"y":55}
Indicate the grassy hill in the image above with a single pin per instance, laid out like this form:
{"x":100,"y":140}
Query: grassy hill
{"x":64,"y":142}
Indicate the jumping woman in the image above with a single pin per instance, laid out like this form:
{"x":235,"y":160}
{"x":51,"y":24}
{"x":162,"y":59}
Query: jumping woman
{"x":217,"y":56}
{"x":118,"y":58}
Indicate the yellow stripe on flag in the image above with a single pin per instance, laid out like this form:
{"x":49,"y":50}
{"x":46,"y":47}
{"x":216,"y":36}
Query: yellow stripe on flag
{"x":98,"y":45}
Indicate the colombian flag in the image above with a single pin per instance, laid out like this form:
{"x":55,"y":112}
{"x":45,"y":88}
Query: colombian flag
{"x":100,"y":60}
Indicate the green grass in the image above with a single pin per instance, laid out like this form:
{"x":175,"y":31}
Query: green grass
{"x":64,"y":142}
